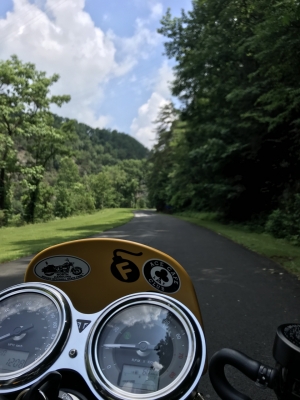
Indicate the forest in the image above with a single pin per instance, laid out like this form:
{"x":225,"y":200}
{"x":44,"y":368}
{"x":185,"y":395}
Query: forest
{"x":53,"y":167}
{"x":233,"y":145}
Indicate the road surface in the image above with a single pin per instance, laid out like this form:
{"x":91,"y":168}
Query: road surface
{"x":243,"y":296}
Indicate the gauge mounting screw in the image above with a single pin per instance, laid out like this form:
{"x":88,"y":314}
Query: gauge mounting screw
{"x":73,"y":353}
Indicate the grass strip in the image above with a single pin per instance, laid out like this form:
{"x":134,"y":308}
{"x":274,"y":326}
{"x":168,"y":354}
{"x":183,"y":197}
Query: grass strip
{"x":30,"y":239}
{"x":279,"y":250}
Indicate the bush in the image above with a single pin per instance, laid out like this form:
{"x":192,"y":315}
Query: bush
{"x":63,"y":204}
{"x":74,"y":201}
{"x":3,"y":217}
{"x":141,"y":203}
{"x":16,"y":220}
{"x":44,"y":209}
{"x":83,"y":200}
{"x":276,"y":224}
{"x":285,"y":221}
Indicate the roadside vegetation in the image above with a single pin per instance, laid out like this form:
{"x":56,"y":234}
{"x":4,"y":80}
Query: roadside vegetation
{"x":280,"y":251}
{"x":233,"y":147}
{"x":32,"y":238}
{"x":53,"y":167}
{"x":232,"y":150}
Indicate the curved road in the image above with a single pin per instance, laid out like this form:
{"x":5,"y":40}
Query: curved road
{"x":243,"y":296}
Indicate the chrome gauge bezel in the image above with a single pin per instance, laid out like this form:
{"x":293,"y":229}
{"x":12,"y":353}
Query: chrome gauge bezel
{"x":188,"y":378}
{"x":20,"y":377}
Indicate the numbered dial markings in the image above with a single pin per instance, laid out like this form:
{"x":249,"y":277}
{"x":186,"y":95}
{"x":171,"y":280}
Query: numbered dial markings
{"x":29,"y":323}
{"x":143,"y":348}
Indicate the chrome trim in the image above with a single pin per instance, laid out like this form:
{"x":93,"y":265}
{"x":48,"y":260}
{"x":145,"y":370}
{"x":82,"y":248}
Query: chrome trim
{"x":20,"y":395}
{"x":35,"y":369}
{"x":184,"y":384}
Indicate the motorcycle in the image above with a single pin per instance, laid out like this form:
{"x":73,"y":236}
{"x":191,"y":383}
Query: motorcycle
{"x":62,"y":269}
{"x":125,"y":324}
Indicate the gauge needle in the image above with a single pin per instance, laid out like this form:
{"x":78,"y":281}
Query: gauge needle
{"x":143,"y":346}
{"x":17,"y":331}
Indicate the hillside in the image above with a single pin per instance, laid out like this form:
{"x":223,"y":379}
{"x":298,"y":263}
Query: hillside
{"x":94,"y":148}
{"x":54,"y":167}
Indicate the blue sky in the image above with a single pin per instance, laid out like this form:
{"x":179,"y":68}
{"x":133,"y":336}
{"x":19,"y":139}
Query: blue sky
{"x":107,"y":53}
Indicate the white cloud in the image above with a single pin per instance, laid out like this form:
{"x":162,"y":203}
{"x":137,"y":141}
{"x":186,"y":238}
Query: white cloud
{"x":156,"y":10}
{"x":130,"y":49}
{"x":142,"y":127}
{"x":60,"y":37}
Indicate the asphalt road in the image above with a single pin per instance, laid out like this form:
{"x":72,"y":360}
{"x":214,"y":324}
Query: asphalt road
{"x":243,"y":296}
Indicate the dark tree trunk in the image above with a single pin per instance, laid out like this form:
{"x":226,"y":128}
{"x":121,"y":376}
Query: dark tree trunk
{"x":2,"y":189}
{"x":32,"y":204}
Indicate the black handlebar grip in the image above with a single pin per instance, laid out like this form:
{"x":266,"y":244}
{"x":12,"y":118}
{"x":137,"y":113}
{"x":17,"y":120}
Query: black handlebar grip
{"x":249,"y":367}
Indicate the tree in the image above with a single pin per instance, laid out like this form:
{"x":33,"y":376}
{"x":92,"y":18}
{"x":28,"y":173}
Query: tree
{"x":25,"y":115}
{"x":44,"y":145}
{"x":73,"y":193}
{"x":237,"y":76}
{"x":103,"y":191}
{"x":135,"y":187}
{"x":160,"y":163}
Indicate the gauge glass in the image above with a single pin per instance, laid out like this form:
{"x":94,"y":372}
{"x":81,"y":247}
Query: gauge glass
{"x":143,"y":349}
{"x":29,"y":324}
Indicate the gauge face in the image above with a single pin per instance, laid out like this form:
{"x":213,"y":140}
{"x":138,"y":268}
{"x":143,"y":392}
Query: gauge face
{"x":29,"y":324}
{"x":143,"y":349}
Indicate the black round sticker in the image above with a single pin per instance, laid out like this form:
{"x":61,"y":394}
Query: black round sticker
{"x":161,"y":276}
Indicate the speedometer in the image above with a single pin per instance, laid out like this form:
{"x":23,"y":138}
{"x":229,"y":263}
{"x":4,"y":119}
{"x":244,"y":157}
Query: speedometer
{"x":34,"y":325}
{"x":145,"y":347}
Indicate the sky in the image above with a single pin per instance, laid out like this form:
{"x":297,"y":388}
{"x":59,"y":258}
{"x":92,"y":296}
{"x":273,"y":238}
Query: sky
{"x":107,"y":52}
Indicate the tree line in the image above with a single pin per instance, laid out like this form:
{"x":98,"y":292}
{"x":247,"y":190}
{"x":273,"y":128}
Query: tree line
{"x":233,"y":147}
{"x":55,"y":167}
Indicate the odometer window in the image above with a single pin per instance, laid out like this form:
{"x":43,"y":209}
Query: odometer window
{"x":11,"y":360}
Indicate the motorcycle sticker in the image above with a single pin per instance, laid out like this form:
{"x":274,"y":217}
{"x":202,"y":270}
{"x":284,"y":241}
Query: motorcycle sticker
{"x":62,"y":269}
{"x":124,"y":270}
{"x":161,"y":276}
{"x":82,"y":324}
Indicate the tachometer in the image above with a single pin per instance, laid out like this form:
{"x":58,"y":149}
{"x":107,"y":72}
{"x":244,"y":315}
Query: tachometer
{"x":34,"y":324}
{"x":145,"y":347}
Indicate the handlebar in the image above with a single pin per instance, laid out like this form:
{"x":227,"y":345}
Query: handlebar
{"x":262,"y":375}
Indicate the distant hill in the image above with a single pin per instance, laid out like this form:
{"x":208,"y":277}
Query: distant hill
{"x":97,"y":147}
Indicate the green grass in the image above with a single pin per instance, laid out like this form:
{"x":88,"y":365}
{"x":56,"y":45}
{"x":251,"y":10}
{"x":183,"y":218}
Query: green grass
{"x":30,"y":239}
{"x":279,"y":250}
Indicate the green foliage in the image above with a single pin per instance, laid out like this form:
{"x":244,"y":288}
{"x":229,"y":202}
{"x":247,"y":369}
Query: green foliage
{"x":284,"y":222}
{"x":127,"y":182}
{"x":160,"y":161}
{"x":28,"y":140}
{"x":119,"y":185}
{"x":55,"y":167}
{"x":141,"y":203}
{"x":73,"y":194}
{"x":277,"y":224}
{"x":3,"y":217}
{"x":102,"y":190}
{"x":83,"y":200}
{"x":44,"y":210}
{"x":95,"y":148}
{"x":31,"y":180}
{"x":68,"y":174}
{"x":63,"y":202}
{"x":234,"y":147}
